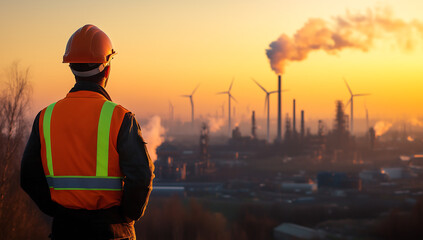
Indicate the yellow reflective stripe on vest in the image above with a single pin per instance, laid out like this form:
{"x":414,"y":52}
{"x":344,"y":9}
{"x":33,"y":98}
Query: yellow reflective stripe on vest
{"x":47,"y":137}
{"x":99,"y":182}
{"x":103,"y":138}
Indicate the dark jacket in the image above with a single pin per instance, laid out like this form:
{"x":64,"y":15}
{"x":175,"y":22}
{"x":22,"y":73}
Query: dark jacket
{"x":112,"y":223}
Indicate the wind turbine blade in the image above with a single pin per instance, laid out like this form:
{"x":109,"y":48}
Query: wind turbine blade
{"x":348,"y":103}
{"x":361,"y":95}
{"x":230,"y":87}
{"x":185,"y":95}
{"x":349,"y":89}
{"x":285,"y":90}
{"x":195,"y":89}
{"x":259,"y":85}
{"x":233,"y":98}
{"x":222,"y":93}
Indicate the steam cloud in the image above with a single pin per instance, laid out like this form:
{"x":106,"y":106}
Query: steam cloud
{"x":153,"y":134}
{"x":416,"y":122}
{"x":381,"y":127}
{"x":215,"y":124}
{"x":355,"y":31}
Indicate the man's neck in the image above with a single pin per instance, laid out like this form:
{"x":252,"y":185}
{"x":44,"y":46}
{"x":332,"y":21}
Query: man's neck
{"x":90,"y":86}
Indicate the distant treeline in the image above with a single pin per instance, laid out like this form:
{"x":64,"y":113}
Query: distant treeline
{"x":172,"y":219}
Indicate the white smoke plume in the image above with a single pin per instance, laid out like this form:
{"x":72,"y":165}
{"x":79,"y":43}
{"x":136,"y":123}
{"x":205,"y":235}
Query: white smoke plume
{"x":215,"y":124}
{"x":153,"y":134}
{"x":381,"y":127}
{"x":355,"y":31}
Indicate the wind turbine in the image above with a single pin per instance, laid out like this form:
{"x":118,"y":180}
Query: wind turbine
{"x":266,"y":102}
{"x":367,"y":117}
{"x":171,"y":111}
{"x":229,"y":108}
{"x":192,"y":103}
{"x":351,"y":101}
{"x":171,"y":115}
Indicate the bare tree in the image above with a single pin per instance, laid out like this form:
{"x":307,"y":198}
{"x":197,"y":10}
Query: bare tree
{"x":14,"y":101}
{"x":15,"y":208}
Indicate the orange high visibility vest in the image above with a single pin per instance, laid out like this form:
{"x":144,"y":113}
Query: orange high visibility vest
{"x":79,"y":150}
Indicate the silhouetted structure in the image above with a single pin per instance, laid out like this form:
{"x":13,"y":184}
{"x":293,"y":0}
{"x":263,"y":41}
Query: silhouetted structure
{"x":267,"y":103}
{"x":372,"y":137}
{"x":351,"y":102}
{"x":168,"y":164}
{"x":279,"y":137}
{"x":294,"y":129}
{"x":288,"y":131}
{"x":171,"y":112}
{"x":338,"y":180}
{"x":302,"y":125}
{"x":253,"y":125}
{"x":236,"y":133}
{"x":320,"y":129}
{"x":192,"y":104}
{"x":229,"y":105}
{"x":204,"y":144}
{"x":340,"y":132}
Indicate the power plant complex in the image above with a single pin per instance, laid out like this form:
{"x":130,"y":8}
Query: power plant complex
{"x":182,"y":160}
{"x":328,"y":171}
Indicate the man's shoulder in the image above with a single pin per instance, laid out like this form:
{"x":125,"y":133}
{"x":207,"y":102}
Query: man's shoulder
{"x":122,"y":109}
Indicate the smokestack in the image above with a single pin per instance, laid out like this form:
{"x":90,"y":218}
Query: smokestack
{"x":294,"y":129}
{"x":253,"y":125}
{"x":302,"y":124}
{"x":279,"y":139}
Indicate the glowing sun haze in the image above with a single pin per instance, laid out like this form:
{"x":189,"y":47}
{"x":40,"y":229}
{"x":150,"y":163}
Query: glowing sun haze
{"x":165,"y":48}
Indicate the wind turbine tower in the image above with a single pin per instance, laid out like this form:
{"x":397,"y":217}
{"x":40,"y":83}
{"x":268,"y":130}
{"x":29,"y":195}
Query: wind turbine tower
{"x":192,"y":104}
{"x":367,"y":117}
{"x":351,"y":101}
{"x":229,"y":107}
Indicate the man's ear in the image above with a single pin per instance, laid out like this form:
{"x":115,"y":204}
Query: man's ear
{"x":107,"y":72}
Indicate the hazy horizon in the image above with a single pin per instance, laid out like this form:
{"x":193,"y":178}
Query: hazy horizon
{"x":166,"y":50}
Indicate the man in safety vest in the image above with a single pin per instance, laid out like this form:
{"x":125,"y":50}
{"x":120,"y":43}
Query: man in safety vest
{"x":86,"y":163}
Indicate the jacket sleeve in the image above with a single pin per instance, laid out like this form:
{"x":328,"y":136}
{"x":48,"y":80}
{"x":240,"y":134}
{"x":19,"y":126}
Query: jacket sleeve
{"x":33,"y":180}
{"x":136,"y":166}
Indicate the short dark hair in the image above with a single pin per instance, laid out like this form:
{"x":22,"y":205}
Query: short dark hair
{"x":82,"y":67}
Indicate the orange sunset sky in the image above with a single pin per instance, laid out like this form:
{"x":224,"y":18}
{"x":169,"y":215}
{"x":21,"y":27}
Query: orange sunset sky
{"x":165,"y":48}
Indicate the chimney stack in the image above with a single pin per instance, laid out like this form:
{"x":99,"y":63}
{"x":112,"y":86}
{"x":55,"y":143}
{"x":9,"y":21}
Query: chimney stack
{"x":302,"y":124}
{"x":279,"y":139}
{"x":294,"y":129}
{"x":253,"y":125}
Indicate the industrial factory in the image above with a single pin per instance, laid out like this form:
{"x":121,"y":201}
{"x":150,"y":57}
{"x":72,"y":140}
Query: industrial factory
{"x":329,"y":168}
{"x":183,"y":160}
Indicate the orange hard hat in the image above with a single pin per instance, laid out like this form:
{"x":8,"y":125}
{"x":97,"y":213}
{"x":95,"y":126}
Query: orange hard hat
{"x":88,"y":45}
